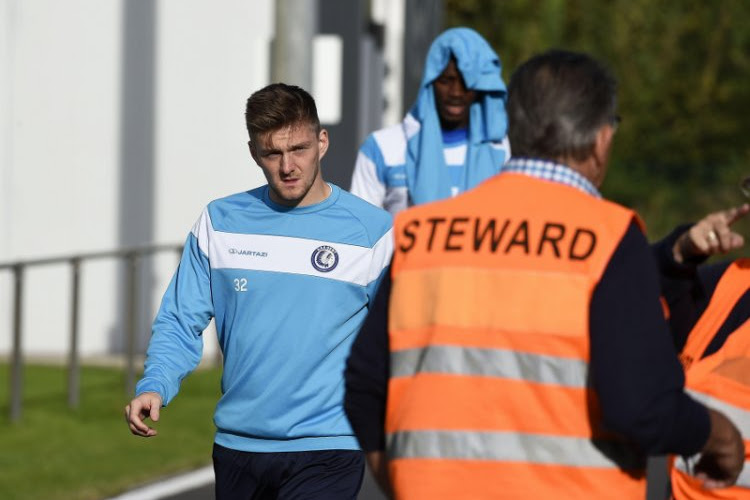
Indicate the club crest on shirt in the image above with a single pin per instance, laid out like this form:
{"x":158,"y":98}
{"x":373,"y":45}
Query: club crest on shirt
{"x":325,"y":258}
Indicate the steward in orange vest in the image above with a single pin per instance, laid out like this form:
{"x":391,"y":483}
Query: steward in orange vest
{"x":490,"y":303}
{"x":716,"y":358}
{"x":529,"y":356}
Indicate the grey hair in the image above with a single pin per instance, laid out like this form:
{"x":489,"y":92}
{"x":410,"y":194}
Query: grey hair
{"x":557,"y":102}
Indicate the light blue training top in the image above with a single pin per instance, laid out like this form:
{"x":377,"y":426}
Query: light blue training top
{"x":289,"y":289}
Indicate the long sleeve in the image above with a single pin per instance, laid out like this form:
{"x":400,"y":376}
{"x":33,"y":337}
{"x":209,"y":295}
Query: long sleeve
{"x":379,"y":265}
{"x":366,"y":183}
{"x":634,"y":368}
{"x":368,"y":368}
{"x":176,"y":344}
{"x":687,"y":288}
{"x":680,"y":287}
{"x":367,"y":372}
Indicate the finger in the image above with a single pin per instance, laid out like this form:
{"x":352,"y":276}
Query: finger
{"x":734,"y":214}
{"x":711,"y":484}
{"x":712,"y":241}
{"x":698,"y":240}
{"x":138,"y":426}
{"x":730,"y":240}
{"x":143,"y":433}
{"x":724,"y":238}
{"x":135,"y":430}
{"x":154,"y":414}
{"x":735,"y":241}
{"x":135,"y":420}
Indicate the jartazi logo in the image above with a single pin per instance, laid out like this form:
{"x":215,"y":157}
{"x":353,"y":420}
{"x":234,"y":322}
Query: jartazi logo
{"x":250,"y":253}
{"x":324,"y":258}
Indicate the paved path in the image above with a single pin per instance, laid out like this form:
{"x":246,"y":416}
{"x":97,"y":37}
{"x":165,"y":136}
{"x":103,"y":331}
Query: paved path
{"x":198,"y":485}
{"x":369,"y":491}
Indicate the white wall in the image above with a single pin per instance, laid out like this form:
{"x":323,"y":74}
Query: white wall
{"x":60,"y":119}
{"x":59,"y":150}
{"x":64,"y":93}
{"x":209,"y":61}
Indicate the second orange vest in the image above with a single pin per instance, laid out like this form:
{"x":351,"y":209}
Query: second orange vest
{"x":720,"y":380}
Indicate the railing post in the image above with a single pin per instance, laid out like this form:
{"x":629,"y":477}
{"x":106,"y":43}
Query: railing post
{"x":16,"y":363}
{"x":73,"y":359}
{"x":131,"y":321}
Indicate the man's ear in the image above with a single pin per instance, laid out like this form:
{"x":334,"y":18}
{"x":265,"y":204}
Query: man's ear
{"x":603,"y":143}
{"x":322,"y":143}
{"x":602,"y":147}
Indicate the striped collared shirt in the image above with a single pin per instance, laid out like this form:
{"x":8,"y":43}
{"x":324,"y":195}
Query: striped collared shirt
{"x":551,"y":171}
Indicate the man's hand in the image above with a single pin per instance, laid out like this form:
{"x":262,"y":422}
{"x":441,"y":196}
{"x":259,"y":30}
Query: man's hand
{"x":378,"y":464}
{"x":144,"y":405}
{"x":723,"y":455}
{"x":711,"y":235}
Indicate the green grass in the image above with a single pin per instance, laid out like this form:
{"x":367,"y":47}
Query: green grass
{"x":54,"y":452}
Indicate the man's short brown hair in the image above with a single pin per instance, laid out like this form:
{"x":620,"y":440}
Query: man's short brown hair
{"x":279,"y":105}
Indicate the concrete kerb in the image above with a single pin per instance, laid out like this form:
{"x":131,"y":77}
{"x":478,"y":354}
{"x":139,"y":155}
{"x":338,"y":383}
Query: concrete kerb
{"x":170,"y":486}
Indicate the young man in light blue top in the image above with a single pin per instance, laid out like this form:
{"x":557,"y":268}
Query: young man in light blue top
{"x":288,"y":271}
{"x":454,"y":136}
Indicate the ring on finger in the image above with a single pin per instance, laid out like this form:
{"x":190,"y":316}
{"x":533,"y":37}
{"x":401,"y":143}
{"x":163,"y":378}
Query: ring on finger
{"x":711,"y":236}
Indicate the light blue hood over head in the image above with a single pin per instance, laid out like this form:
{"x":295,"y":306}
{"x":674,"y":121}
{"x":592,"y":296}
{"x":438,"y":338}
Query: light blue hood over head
{"x":426,"y":174}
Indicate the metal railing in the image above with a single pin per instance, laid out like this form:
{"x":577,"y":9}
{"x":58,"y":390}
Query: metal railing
{"x":132,"y":258}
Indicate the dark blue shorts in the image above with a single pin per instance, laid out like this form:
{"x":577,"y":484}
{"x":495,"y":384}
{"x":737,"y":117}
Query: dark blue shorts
{"x":304,"y":475}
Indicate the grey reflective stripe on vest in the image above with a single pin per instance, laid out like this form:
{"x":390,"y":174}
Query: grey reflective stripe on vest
{"x":738,"y":416}
{"x":744,"y":480}
{"x":539,"y":449}
{"x":461,"y":360}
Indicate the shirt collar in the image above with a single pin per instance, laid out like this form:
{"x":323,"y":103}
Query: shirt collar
{"x":551,"y":171}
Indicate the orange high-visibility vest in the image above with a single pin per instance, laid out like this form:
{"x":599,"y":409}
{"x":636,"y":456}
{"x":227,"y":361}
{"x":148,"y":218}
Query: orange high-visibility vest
{"x":720,"y":380}
{"x":489,"y":338}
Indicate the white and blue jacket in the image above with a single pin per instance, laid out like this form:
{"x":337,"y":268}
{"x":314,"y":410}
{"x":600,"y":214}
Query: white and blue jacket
{"x":416,"y":162}
{"x":289,"y":289}
{"x":379,"y":174}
